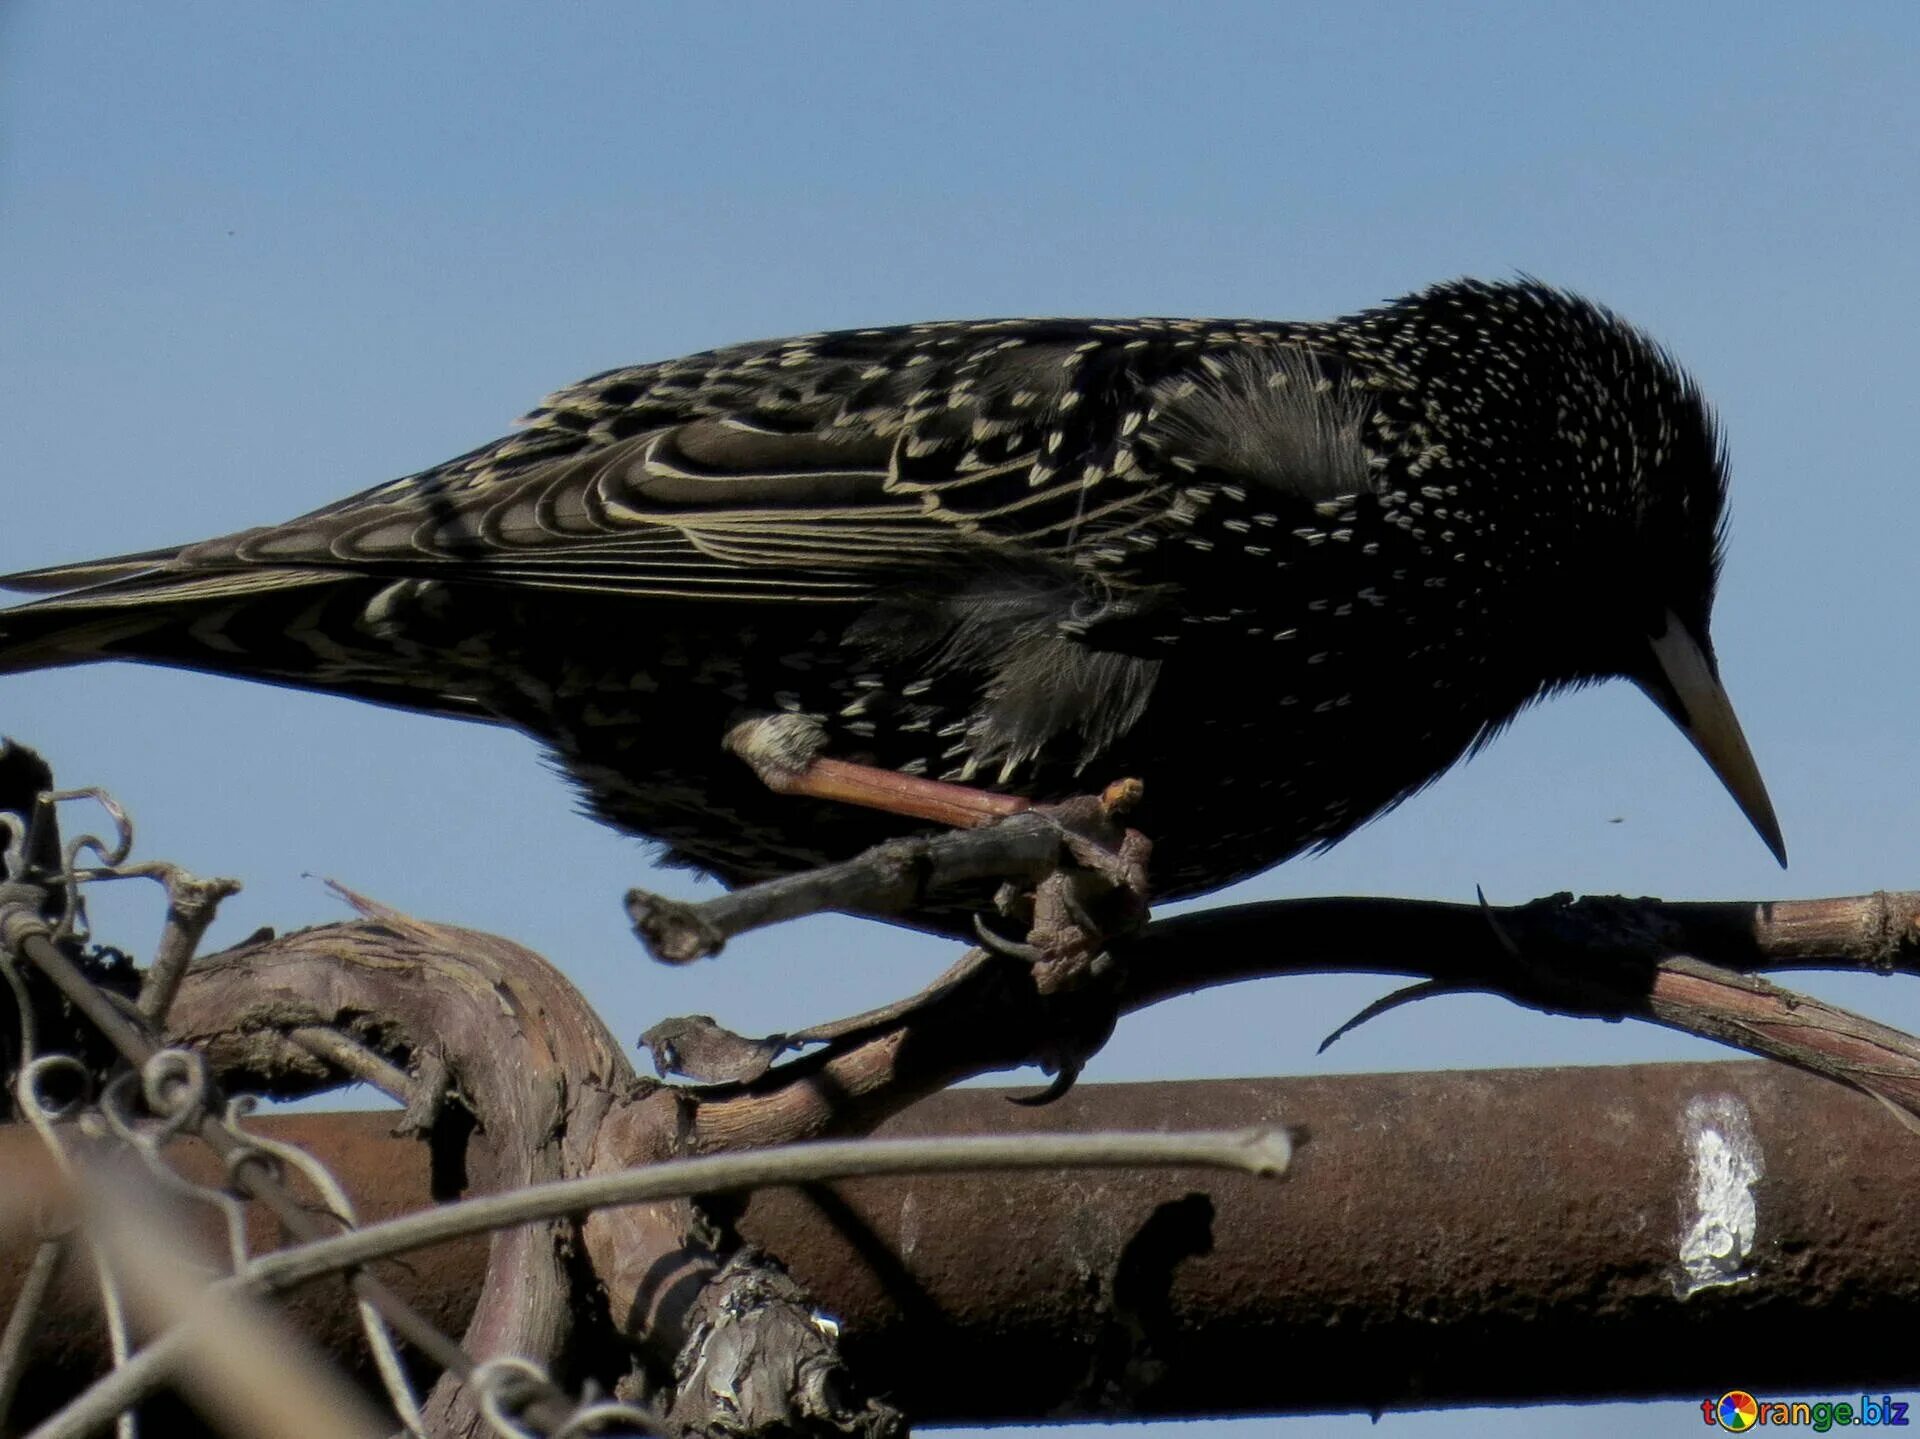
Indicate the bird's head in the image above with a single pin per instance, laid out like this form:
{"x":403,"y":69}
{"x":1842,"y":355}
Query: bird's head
{"x":1592,"y":477}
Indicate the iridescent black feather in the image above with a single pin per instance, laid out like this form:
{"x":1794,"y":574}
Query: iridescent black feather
{"x":1285,"y":573}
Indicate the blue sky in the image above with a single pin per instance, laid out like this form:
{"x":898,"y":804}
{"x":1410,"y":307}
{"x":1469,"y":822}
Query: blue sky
{"x":257,"y":256}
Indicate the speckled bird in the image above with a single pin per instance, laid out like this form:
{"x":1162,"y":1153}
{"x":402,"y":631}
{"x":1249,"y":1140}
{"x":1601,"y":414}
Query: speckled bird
{"x":1285,"y":573}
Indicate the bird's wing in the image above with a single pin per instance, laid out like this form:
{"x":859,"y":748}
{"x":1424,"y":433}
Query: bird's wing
{"x":816,"y":469}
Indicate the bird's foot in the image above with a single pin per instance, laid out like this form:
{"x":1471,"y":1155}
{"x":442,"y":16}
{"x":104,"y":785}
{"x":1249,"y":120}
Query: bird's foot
{"x":1073,"y":912}
{"x":1072,"y":871}
{"x":1072,"y":916}
{"x":1107,"y":869}
{"x":1074,"y":878}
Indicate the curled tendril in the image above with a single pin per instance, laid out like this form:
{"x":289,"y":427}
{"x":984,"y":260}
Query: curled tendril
{"x":122,"y":826}
{"x":251,"y":1150}
{"x":171,"y":1093}
{"x":174,"y":1084}
{"x":73,"y":923}
{"x":172,"y":1088}
{"x":38,"y":1103}
{"x":116,"y":1107}
{"x":504,"y":1387}
{"x":281,"y":1156}
{"x":596,"y":1417}
{"x":251,"y":1156}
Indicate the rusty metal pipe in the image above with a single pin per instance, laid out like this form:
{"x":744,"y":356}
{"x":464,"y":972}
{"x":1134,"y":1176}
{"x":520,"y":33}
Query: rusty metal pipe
{"x":1446,"y":1238}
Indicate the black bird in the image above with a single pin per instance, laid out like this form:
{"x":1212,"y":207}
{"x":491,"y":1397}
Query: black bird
{"x":1286,"y":573}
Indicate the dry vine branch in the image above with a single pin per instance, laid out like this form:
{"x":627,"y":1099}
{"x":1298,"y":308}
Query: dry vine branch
{"x":1530,"y":1220}
{"x":1684,"y":965}
{"x":41,"y":917}
{"x":659,"y":1260}
{"x":504,"y":1065}
{"x":1262,"y":1152}
{"x":1690,"y":966}
{"x":546,"y":1086}
{"x":509,"y":1043}
{"x":509,"y":1076}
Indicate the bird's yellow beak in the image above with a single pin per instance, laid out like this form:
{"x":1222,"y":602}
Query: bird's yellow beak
{"x":1699,"y":706}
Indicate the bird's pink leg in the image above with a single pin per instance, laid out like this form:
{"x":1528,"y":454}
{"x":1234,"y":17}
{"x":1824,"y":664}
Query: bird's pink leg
{"x":783,"y":750}
{"x":904,"y":794}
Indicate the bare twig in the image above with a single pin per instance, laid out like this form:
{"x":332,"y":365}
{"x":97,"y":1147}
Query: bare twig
{"x":1596,"y":956}
{"x":192,"y":903}
{"x":353,"y":1058}
{"x":1878,"y":933}
{"x":1687,"y":966}
{"x":1263,"y":1152}
{"x":1749,"y":1013}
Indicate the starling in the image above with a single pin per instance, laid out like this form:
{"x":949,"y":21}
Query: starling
{"x":1285,"y":573}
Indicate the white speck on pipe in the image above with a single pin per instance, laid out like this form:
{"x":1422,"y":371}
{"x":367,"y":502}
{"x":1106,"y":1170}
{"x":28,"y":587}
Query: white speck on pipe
{"x":1722,"y":1218}
{"x":909,"y":1226}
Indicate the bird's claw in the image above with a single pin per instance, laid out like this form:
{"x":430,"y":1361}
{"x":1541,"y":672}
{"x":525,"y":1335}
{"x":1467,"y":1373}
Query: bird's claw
{"x":995,"y":942}
{"x":1062,"y":1082}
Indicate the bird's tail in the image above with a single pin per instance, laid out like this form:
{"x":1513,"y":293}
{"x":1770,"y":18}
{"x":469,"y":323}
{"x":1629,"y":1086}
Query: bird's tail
{"x":47,"y":633}
{"x":283,"y":626}
{"x":65,"y":579}
{"x":128,"y":607}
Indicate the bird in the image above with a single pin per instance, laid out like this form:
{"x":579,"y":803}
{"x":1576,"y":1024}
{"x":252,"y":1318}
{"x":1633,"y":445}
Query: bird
{"x":1285,"y":573}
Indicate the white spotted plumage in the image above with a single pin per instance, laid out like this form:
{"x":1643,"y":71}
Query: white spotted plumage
{"x":1324,"y":559}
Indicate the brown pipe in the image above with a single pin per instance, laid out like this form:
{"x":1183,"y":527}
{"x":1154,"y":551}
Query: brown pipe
{"x":1446,"y":1238}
